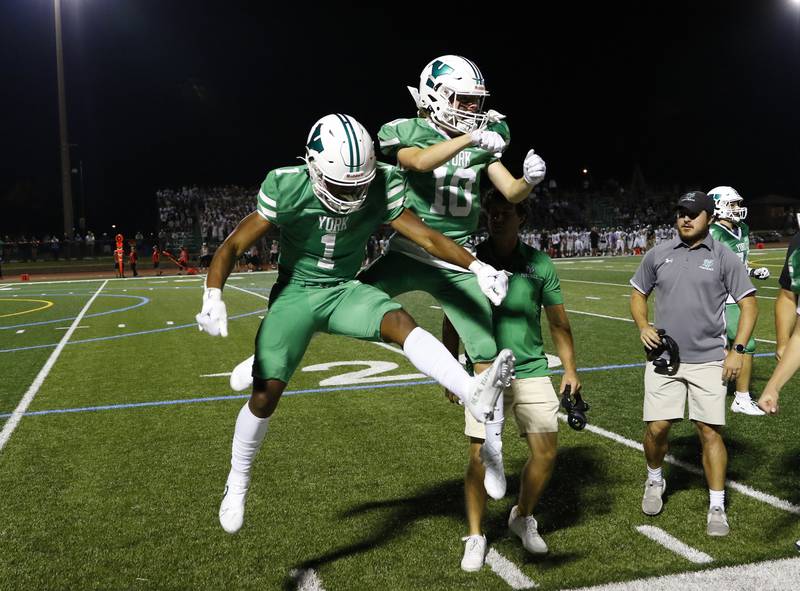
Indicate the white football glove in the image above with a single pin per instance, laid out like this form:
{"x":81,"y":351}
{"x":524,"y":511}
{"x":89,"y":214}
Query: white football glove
{"x":491,"y":141}
{"x":533,"y":168}
{"x":213,"y":318}
{"x":760,"y":273}
{"x":493,"y":283}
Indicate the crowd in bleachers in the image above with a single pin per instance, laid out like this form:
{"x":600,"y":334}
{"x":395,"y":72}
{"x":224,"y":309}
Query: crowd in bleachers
{"x":211,"y":211}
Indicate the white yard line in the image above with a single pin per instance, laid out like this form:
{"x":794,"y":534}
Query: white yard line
{"x":129,"y":279}
{"x":659,"y":536}
{"x":600,"y":315}
{"x":389,"y":346}
{"x":307,"y":579}
{"x":508,"y":571}
{"x":758,"y":495}
{"x":16,"y":416}
{"x":772,"y":575}
{"x":216,"y":375}
{"x":258,"y":295}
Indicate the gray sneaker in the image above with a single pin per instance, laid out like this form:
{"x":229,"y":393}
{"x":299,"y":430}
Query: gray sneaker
{"x":651,"y":501}
{"x":717,"y":522}
{"x":526,"y":528}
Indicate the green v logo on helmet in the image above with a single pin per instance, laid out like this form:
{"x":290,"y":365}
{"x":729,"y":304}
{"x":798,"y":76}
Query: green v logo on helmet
{"x":439,"y":68}
{"x":316,"y":140}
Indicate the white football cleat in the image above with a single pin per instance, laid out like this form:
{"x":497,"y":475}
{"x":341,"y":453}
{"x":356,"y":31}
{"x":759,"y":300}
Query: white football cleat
{"x":748,"y":407}
{"x":242,"y":375}
{"x":231,"y":510}
{"x":494,"y":480}
{"x":489,"y":384}
{"x":474,"y":553}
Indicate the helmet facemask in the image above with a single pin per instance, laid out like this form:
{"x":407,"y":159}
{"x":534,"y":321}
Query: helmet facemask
{"x":339,"y":196}
{"x":730,"y":210}
{"x":454,"y":117}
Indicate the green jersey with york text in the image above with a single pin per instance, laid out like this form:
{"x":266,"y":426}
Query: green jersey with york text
{"x":518,"y":320}
{"x":447,"y":198}
{"x":317,"y":245}
{"x":738,"y":240}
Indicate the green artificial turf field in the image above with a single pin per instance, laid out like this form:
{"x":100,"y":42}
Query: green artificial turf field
{"x":112,"y":479}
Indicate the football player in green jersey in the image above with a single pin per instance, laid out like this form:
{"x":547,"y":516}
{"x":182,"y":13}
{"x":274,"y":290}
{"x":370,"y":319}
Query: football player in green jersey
{"x":531,"y":399}
{"x":326,"y":211}
{"x":445,"y":152}
{"x":730,"y":229}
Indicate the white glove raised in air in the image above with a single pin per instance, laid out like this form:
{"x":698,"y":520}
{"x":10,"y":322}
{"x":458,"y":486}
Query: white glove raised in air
{"x":760,"y":273}
{"x":213,"y":318}
{"x":493,"y":283}
{"x":533,"y":168}
{"x":491,"y":141}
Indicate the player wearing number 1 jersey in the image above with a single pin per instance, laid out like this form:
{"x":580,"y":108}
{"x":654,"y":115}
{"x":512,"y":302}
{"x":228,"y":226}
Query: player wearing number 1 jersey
{"x":729,"y":229}
{"x":326,"y":211}
{"x":446,"y":153}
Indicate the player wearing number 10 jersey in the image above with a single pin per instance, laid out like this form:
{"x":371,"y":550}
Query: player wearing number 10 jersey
{"x":446,"y":152}
{"x":327,"y":210}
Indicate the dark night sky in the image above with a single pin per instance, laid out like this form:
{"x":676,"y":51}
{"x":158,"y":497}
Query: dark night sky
{"x":164,"y":93}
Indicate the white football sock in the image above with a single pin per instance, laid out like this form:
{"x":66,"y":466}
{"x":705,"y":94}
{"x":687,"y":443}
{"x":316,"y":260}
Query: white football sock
{"x":494,"y":428}
{"x":433,"y":359}
{"x":247,"y":437}
{"x":742,"y":396}
{"x":716,"y":498}
{"x":654,"y":474}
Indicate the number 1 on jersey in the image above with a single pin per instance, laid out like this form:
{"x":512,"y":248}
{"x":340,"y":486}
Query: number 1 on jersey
{"x":326,"y":262}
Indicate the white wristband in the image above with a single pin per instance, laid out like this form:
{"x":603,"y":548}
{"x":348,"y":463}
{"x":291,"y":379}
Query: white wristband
{"x":475,"y":266}
{"x":212,"y":293}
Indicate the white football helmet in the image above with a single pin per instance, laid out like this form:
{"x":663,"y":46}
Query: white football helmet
{"x":341,"y":162}
{"x":450,"y":82}
{"x":727,"y":204}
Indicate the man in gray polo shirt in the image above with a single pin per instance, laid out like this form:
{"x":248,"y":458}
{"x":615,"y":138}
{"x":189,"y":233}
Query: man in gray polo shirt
{"x":691,"y":276}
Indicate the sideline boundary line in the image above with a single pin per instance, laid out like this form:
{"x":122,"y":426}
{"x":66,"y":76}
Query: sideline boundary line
{"x":19,"y":412}
{"x":756,"y":494}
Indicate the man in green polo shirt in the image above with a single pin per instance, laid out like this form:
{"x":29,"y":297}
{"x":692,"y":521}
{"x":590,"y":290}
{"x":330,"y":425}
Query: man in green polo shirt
{"x":531,"y":397}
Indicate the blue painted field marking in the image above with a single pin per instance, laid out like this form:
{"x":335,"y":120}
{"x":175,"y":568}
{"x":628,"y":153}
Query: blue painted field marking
{"x":217,"y":398}
{"x":122,"y":336}
{"x":294,"y":392}
{"x":142,"y":301}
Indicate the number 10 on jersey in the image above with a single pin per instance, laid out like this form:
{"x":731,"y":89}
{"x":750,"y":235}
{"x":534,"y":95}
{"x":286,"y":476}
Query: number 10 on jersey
{"x":462,"y":179}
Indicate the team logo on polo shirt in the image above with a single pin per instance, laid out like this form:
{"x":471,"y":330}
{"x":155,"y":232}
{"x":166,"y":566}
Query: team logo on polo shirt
{"x":708,"y":265}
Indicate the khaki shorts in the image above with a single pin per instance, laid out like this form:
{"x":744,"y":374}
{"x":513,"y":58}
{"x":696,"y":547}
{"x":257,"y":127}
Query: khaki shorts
{"x":534,"y":403}
{"x":665,"y":396}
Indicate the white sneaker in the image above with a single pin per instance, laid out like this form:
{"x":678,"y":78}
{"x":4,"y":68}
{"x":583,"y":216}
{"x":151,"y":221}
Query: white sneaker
{"x":231,"y":510}
{"x":494,"y":479}
{"x":526,"y":528}
{"x":474,"y":553}
{"x":242,"y":375}
{"x":489,"y":384}
{"x":653,"y":491}
{"x":717,"y":522}
{"x":748,"y":407}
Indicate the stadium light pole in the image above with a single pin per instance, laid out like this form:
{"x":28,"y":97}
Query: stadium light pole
{"x":66,"y":170}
